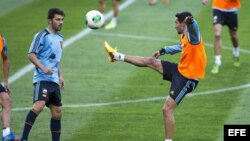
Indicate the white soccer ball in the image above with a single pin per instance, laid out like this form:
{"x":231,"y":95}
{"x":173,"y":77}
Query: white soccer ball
{"x":94,"y":19}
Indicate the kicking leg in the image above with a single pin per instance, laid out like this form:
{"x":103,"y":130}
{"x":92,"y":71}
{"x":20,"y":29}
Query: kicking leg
{"x":139,"y":61}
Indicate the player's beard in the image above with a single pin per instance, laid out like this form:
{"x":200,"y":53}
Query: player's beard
{"x":57,"y":27}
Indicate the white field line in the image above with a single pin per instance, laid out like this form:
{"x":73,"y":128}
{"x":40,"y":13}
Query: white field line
{"x":67,"y":43}
{"x":71,"y":40}
{"x":91,"y":105}
{"x":141,"y":37}
{"x":83,"y":33}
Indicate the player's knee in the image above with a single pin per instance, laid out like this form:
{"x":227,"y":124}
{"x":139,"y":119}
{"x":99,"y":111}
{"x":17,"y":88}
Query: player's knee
{"x":217,"y":35}
{"x":167,"y":112}
{"x":38,"y":106}
{"x":234,"y":36}
{"x":7,"y":108}
{"x":153,"y":61}
{"x":56,"y":113}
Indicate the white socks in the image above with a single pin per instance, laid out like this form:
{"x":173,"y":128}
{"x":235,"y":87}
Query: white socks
{"x":114,"y":20}
{"x":168,"y":139}
{"x":218,"y":60}
{"x":119,"y":56}
{"x":6,"y":132}
{"x":236,"y":51}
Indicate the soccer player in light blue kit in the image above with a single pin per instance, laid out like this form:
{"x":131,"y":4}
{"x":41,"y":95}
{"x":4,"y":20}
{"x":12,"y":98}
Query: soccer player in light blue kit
{"x":45,"y":53}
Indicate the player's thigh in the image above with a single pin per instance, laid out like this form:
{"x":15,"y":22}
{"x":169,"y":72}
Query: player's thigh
{"x":54,"y":96}
{"x":5,"y":100}
{"x":218,"y":17}
{"x":181,"y":86}
{"x":169,"y":69}
{"x":153,"y":63}
{"x":41,"y":90}
{"x":231,"y":20}
{"x":4,"y":96}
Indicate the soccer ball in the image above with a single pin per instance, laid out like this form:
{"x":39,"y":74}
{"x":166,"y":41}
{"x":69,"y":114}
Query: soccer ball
{"x":94,"y":19}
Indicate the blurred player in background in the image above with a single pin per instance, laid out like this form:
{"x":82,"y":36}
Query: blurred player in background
{"x":184,"y":76}
{"x":153,"y":2}
{"x":45,"y":53}
{"x":225,"y":12}
{"x":5,"y":92}
{"x":102,"y":6}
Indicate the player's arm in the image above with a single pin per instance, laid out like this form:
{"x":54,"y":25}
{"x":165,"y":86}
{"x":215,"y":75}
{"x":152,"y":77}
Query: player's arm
{"x":193,"y":30}
{"x":168,"y":50}
{"x":60,"y":76}
{"x":35,"y":47}
{"x":6,"y":66}
{"x":33,"y":59}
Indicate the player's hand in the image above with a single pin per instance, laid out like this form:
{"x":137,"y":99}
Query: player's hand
{"x":204,"y":2}
{"x":189,"y":19}
{"x":156,"y":54}
{"x":61,"y":81}
{"x":48,"y":71}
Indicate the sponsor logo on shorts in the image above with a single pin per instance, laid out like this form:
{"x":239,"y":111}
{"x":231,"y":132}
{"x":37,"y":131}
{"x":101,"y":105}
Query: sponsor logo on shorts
{"x":44,"y":92}
{"x":171,"y":92}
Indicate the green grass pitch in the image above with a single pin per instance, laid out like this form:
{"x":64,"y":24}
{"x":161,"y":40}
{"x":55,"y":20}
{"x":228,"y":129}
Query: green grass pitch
{"x":116,"y":101}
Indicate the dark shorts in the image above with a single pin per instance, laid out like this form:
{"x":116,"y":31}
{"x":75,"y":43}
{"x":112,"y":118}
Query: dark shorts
{"x":226,"y":18}
{"x":47,"y":91}
{"x":180,"y":85}
{"x":2,"y":89}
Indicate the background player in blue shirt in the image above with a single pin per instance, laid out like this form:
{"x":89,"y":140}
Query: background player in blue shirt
{"x":45,"y":53}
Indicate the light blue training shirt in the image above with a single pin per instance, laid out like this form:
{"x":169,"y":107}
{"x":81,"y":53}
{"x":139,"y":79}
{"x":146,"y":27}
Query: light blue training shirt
{"x":48,"y":48}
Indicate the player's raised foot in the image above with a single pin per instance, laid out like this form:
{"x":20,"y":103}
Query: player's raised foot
{"x":10,"y":137}
{"x":111,"y":25}
{"x":236,"y":61}
{"x":215,"y":69}
{"x":111,"y":52}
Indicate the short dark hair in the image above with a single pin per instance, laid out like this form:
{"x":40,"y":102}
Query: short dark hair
{"x":181,"y":16}
{"x":53,"y":11}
